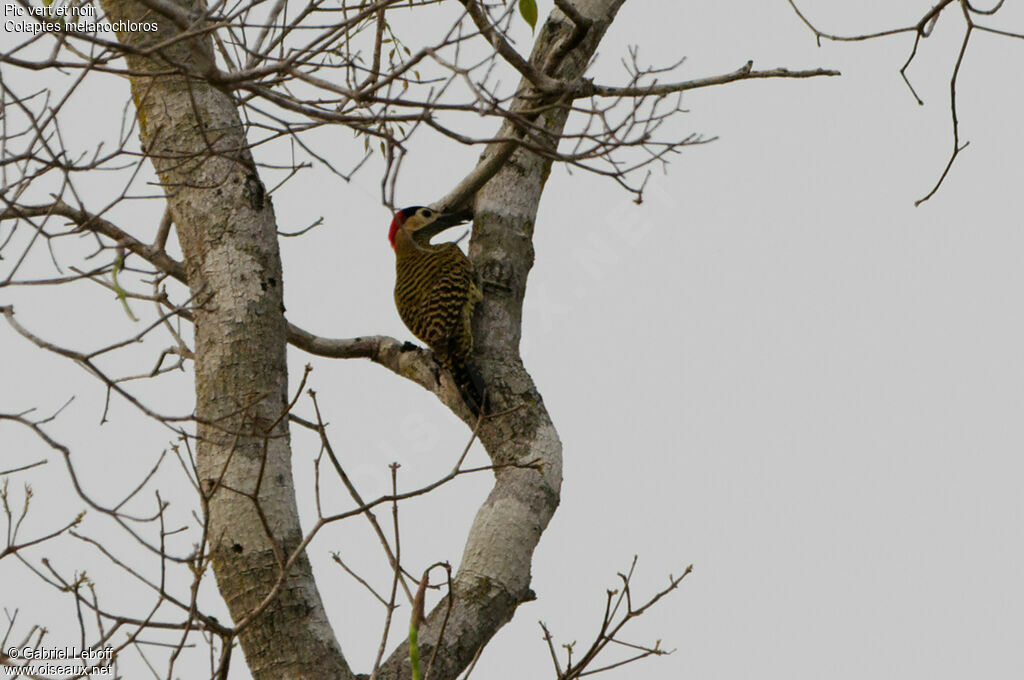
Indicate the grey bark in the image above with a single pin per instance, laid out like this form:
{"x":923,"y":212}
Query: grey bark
{"x":227,"y":230}
{"x":494,"y":576}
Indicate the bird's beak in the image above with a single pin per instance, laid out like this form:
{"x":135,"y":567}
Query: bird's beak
{"x":448,"y":220}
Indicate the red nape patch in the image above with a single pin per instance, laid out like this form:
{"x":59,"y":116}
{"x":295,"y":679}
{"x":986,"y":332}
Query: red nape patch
{"x":395,"y":224}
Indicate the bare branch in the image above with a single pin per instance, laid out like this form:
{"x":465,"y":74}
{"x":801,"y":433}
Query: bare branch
{"x":921,"y":30}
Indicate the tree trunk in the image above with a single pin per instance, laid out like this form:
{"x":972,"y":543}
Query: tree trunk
{"x":494,"y":577}
{"x":227,"y":230}
{"x":228,"y":233}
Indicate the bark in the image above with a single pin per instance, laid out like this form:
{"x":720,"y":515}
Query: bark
{"x":226,"y":226}
{"x":227,"y":230}
{"x":494,"y":576}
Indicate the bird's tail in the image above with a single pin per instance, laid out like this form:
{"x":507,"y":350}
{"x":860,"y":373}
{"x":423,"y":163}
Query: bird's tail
{"x":471,"y":387}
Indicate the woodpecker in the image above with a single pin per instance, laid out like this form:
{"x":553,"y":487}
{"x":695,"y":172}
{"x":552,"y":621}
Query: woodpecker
{"x":436,"y":291}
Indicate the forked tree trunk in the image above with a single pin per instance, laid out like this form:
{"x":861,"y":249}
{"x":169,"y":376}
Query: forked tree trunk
{"x":227,"y":229}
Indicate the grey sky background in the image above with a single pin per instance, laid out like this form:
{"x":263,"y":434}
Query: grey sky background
{"x":776,"y":369}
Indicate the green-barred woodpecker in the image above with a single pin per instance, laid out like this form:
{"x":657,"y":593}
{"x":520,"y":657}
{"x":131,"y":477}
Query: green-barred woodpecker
{"x":436,"y":291}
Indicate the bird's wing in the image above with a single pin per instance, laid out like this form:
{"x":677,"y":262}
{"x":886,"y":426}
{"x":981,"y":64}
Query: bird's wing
{"x":447,"y":298}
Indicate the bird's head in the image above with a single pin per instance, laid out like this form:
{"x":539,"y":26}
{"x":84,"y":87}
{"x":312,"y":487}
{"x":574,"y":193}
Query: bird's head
{"x":422,"y":224}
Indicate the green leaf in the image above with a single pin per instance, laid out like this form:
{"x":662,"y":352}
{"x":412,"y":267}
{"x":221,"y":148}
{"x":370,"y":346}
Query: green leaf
{"x":52,"y":11}
{"x":528,"y":8}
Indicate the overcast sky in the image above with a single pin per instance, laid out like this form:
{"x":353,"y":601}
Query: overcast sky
{"x":776,"y":369}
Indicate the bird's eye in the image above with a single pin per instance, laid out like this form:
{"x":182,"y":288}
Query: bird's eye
{"x":427,"y":213}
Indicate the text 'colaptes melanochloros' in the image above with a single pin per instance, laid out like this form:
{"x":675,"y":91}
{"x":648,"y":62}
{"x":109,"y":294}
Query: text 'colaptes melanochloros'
{"x":436,"y":291}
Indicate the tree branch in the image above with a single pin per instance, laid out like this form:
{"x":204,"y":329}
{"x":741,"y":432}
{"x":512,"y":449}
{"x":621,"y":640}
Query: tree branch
{"x":530,"y":72}
{"x":402,"y":358}
{"x":585,"y":88}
